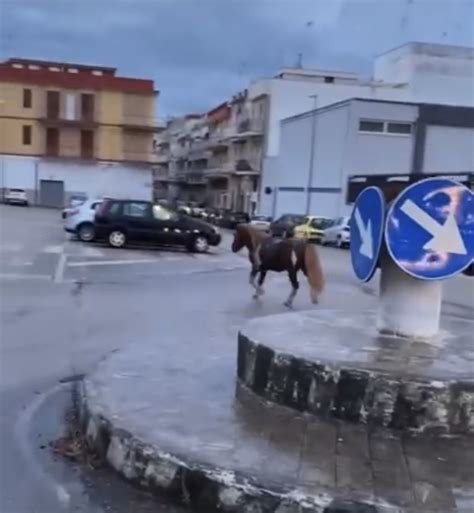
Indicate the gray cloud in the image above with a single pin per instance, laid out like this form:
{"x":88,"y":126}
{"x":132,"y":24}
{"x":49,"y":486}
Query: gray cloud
{"x":201,"y":51}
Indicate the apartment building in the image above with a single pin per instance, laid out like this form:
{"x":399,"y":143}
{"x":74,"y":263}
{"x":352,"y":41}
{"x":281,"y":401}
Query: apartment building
{"x":239,"y":154}
{"x":75,"y":129}
{"x":214,"y":158}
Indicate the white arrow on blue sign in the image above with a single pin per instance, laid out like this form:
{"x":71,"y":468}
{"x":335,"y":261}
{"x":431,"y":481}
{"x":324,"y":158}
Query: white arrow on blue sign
{"x":430,"y":229}
{"x":367,"y":226}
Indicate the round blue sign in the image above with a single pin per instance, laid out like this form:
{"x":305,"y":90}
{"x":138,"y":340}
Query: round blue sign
{"x":430,"y":229}
{"x":367,"y":225}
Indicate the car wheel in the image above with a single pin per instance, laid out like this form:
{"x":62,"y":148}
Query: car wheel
{"x":86,"y":232}
{"x":200,"y":244}
{"x":117,"y":238}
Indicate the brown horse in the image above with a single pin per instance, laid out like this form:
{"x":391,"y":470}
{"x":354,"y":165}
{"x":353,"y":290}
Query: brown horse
{"x":291,"y":255}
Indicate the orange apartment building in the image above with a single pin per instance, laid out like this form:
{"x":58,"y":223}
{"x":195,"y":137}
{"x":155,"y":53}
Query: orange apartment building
{"x":69,"y":129}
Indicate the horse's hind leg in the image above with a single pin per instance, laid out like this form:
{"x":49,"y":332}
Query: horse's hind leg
{"x":259,"y":291}
{"x":294,"y":283}
{"x":252,"y":276}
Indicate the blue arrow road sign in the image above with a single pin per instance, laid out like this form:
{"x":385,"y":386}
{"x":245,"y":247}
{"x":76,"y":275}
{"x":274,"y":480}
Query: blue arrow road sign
{"x":367,"y":225}
{"x":430,"y":229}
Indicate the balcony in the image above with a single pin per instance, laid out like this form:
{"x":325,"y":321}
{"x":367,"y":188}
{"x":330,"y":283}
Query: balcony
{"x":59,"y":122}
{"x":239,"y":167}
{"x":142,"y":124}
{"x":161,"y":158}
{"x":247,"y":128}
{"x":195,"y":178}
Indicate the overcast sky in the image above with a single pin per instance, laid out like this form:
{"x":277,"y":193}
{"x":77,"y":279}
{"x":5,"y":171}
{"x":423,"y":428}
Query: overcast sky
{"x":199,"y":52}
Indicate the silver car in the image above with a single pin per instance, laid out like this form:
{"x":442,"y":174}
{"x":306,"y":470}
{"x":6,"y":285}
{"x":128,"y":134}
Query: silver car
{"x":79,"y":220}
{"x":338,"y":233}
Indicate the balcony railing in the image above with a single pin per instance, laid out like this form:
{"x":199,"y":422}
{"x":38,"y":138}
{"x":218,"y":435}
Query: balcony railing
{"x":247,"y":128}
{"x":233,"y":166}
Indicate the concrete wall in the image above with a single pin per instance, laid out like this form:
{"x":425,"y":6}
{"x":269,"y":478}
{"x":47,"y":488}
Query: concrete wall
{"x":111,"y":111}
{"x":293,"y":97}
{"x":340,"y":150}
{"x":448,"y":149}
{"x":434,"y":73}
{"x":93,"y":180}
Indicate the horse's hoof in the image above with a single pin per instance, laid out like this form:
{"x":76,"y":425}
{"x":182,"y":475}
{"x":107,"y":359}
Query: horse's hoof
{"x":288,"y":304}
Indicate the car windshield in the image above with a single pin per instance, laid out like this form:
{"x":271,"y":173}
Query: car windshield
{"x":321,"y":223}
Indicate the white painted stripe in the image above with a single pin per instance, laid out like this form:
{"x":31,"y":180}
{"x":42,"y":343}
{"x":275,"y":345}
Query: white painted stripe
{"x":59,"y":271}
{"x":91,"y":263}
{"x":22,"y":425}
{"x":18,"y":276}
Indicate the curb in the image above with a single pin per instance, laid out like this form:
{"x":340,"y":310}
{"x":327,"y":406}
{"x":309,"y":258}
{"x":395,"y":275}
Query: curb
{"x":205,"y":489}
{"x":353,"y":393}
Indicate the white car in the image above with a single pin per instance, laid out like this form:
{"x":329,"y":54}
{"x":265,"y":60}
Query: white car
{"x":338,"y":233}
{"x":17,"y":196}
{"x":260,"y":222}
{"x":80,"y":220}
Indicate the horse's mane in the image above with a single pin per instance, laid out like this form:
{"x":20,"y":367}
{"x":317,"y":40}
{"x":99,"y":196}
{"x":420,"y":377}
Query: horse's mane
{"x":255,"y":235}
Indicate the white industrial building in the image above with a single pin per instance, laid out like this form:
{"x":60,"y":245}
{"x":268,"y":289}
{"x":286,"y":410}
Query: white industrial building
{"x":45,"y":179}
{"x":320,"y":150}
{"x":403,"y":79}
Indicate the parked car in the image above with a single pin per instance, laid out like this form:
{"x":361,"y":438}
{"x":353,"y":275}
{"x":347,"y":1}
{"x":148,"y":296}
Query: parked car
{"x":261,"y":222}
{"x":338,"y":233}
{"x":74,"y":202}
{"x":313,"y":227}
{"x":80,"y":220}
{"x":16,"y":196}
{"x":210,"y":214}
{"x":123,"y":221}
{"x":286,"y":224}
{"x":231,"y":219}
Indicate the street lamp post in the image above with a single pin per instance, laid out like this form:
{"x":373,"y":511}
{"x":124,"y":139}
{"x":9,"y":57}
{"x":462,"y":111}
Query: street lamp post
{"x":311,"y":154}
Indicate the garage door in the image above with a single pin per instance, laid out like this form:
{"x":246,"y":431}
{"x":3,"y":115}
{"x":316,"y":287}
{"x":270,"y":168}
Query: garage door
{"x":52,"y":193}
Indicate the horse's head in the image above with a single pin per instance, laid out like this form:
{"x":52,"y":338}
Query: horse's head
{"x":241,"y":238}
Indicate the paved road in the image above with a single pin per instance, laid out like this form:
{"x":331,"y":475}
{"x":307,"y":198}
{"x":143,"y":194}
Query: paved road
{"x":64,"y":306}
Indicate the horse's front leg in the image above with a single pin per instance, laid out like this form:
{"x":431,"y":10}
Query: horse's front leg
{"x":252,"y":276}
{"x":259,"y":291}
{"x":295,"y":285}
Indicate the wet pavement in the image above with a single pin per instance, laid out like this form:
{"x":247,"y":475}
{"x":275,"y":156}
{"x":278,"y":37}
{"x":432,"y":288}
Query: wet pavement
{"x":176,"y":392}
{"x":59,"y":320}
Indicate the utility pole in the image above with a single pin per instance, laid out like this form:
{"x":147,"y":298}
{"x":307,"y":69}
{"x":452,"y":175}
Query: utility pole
{"x":311,"y":154}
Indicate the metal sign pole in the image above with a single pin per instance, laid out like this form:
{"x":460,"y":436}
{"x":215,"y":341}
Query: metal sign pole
{"x":408,"y":307}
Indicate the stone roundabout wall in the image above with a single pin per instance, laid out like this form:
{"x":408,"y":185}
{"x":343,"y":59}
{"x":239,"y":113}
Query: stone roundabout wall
{"x":351,"y":392}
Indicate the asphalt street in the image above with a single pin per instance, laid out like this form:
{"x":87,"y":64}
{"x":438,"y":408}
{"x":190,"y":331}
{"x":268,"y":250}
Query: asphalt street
{"x":65,"y":305}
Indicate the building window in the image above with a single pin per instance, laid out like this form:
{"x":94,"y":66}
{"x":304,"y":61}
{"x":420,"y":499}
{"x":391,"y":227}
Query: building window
{"x":72,"y":70}
{"x":371,"y":126}
{"x":87,"y":144}
{"x":385,"y":127}
{"x":33,"y":66}
{"x":52,"y":104}
{"x":54,"y":68}
{"x":17,"y":66}
{"x":27,"y":98}
{"x":399,"y":128}
{"x":26,"y":135}
{"x":97,"y":72}
{"x":87,"y":107}
{"x":52,"y":142}
{"x":70,"y":105}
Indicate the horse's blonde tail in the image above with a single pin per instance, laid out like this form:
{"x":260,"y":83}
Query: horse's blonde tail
{"x":314,"y":271}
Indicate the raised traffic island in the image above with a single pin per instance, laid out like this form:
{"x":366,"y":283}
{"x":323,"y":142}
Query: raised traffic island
{"x":336,"y":364}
